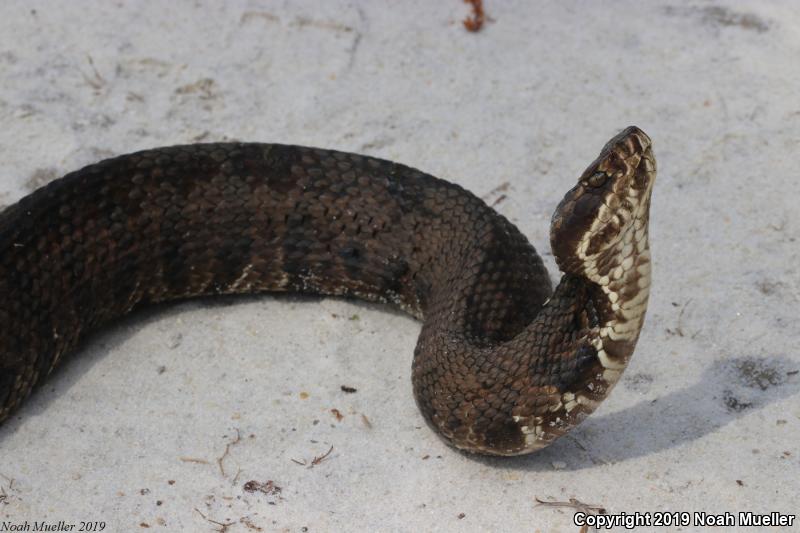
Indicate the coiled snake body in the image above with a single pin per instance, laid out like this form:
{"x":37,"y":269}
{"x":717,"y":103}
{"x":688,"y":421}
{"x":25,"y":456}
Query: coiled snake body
{"x":503,"y":365}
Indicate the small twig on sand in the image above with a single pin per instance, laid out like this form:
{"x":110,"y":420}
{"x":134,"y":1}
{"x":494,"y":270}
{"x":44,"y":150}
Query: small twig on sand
{"x":679,"y":327}
{"x":318,"y":459}
{"x":227,"y":450}
{"x":578,"y":505}
{"x":574,"y":504}
{"x":366,"y":421}
{"x":223,"y":528}
{"x":193,"y":460}
{"x":315,"y":461}
{"x":96,"y":81}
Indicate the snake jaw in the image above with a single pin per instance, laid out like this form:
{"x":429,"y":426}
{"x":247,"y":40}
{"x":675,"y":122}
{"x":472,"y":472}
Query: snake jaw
{"x":600,"y":229}
{"x":613,"y":249}
{"x":611,"y":196}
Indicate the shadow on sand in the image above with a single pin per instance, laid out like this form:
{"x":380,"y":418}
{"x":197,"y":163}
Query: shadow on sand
{"x":726,"y":391}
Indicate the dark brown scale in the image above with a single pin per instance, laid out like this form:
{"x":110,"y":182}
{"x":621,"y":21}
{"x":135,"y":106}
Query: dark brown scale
{"x":184,"y":221}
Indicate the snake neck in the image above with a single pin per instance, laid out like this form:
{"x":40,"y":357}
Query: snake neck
{"x":580,"y":344}
{"x":623,"y":290}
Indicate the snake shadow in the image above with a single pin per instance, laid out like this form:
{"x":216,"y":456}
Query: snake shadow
{"x":727,"y":390}
{"x":67,"y":376}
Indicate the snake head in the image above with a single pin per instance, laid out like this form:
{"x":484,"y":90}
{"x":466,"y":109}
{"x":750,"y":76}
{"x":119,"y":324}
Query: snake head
{"x":602,"y":221}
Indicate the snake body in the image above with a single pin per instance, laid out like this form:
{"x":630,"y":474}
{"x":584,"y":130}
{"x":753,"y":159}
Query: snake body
{"x":503,"y":365}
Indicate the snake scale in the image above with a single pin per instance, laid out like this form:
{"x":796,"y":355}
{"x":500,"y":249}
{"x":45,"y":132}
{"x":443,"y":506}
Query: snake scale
{"x":504,"y":364}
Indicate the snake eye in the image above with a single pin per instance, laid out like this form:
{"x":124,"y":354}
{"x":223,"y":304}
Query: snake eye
{"x":597,"y":179}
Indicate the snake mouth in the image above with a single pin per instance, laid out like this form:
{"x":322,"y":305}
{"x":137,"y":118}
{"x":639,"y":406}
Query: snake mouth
{"x":612,"y":197}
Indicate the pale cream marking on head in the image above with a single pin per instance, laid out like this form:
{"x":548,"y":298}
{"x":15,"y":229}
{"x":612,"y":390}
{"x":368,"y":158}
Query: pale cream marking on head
{"x":633,"y":248}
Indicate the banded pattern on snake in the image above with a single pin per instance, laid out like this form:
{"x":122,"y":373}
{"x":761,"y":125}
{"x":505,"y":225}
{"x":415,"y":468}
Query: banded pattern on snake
{"x":503,"y":365}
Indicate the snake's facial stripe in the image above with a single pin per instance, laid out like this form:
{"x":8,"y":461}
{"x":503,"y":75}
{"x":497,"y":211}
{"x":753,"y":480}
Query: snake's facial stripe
{"x":617,"y":230}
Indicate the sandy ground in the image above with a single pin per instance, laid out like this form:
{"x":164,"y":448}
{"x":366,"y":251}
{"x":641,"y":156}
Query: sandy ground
{"x":188,"y":417}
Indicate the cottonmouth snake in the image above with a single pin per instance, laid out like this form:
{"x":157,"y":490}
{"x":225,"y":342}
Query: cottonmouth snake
{"x":503,"y":365}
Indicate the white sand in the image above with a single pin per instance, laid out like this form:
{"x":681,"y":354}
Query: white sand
{"x":707,"y":417}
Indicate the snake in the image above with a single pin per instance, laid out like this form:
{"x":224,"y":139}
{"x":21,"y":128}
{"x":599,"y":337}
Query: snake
{"x":504,"y":365}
